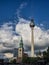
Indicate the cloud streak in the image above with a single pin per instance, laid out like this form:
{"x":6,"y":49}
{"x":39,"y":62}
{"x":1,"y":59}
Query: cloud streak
{"x":18,"y":12}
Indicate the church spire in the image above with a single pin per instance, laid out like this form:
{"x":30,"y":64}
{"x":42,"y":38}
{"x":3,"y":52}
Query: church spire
{"x":20,"y":50}
{"x":21,"y":43}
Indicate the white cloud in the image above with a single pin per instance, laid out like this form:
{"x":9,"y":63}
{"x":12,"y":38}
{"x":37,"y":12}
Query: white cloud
{"x":7,"y":38}
{"x":6,"y":32}
{"x":41,"y":37}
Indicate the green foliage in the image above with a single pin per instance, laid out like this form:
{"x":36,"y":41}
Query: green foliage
{"x":13,"y":61}
{"x":46,"y":55}
{"x":29,"y":60}
{"x":34,"y":59}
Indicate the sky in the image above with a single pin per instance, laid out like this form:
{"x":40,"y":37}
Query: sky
{"x":37,"y":9}
{"x":15,"y":16}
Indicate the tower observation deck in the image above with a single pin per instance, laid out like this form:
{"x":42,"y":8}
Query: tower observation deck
{"x":32,"y":25}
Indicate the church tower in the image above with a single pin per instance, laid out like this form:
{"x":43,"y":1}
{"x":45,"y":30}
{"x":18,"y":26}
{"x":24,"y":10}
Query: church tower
{"x":20,"y":49}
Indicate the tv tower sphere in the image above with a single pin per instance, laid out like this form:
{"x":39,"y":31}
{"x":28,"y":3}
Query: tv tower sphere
{"x":32,"y":37}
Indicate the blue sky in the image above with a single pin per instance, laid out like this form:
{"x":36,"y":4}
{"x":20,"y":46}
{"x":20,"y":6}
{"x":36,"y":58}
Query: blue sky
{"x":37,"y":9}
{"x":21,"y":11}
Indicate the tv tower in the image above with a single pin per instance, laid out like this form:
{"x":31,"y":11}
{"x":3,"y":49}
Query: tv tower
{"x":32,"y":37}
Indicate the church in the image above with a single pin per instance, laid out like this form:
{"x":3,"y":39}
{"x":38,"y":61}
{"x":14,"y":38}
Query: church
{"x":21,"y":53}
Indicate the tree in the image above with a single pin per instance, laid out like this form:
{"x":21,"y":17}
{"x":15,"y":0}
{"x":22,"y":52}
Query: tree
{"x":48,"y":52}
{"x":29,"y":60}
{"x":44,"y":54}
{"x":13,"y":61}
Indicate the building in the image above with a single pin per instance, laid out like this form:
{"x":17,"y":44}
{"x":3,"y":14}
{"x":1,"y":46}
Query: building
{"x":32,"y":37}
{"x":15,"y":52}
{"x":20,"y":51}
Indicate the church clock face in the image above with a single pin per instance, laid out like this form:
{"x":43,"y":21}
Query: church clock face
{"x":20,"y":50}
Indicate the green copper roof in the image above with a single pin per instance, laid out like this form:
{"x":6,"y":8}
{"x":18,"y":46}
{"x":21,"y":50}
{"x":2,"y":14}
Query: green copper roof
{"x":21,"y":43}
